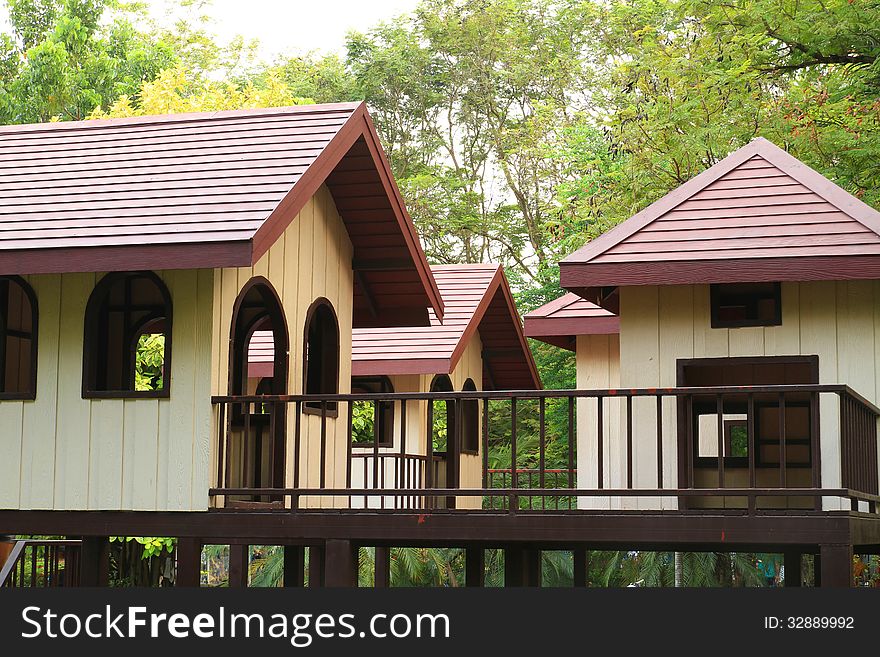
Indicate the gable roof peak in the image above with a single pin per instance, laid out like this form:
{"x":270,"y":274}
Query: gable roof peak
{"x":748,"y":217}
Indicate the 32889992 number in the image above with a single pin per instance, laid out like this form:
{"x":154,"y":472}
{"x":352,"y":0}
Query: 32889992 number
{"x":820,"y":622}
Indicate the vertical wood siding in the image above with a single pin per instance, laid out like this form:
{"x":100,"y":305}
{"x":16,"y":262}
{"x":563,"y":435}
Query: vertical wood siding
{"x":598,"y":367}
{"x":837,"y":321}
{"x":65,"y":452}
{"x":311,"y":259}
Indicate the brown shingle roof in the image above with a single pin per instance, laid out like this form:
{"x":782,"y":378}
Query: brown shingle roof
{"x":758,"y":215}
{"x":206,"y":190}
{"x":560,"y":321}
{"x":477,"y":298}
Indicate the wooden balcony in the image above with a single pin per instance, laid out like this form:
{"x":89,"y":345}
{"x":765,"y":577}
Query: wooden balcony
{"x":751,"y":449}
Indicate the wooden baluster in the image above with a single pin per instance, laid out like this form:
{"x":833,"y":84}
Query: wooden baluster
{"x":719,"y":410}
{"x":782,"y":455}
{"x":514,"y":476}
{"x":659,"y":420}
{"x":297,"y":443}
{"x":752,"y":455}
{"x":541,"y":447}
{"x":600,"y":448}
{"x":629,"y":442}
{"x":429,"y":452}
{"x":323,"y":474}
{"x":815,"y":448}
{"x":571,"y":442}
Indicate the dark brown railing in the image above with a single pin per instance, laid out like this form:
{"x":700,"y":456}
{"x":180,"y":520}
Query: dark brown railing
{"x":532,"y":479}
{"x":858,"y":438}
{"x":762,"y":449}
{"x":407,"y":471}
{"x":42,"y":563}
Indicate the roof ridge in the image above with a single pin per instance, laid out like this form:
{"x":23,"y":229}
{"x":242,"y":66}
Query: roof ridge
{"x":173,"y":117}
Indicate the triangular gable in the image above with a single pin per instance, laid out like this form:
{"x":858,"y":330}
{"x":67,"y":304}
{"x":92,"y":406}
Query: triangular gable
{"x":205,"y":190}
{"x":758,"y":215}
{"x":560,"y":321}
{"x":477,"y":300}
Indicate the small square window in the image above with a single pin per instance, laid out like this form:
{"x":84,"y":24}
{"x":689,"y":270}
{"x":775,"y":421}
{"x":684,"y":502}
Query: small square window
{"x":746,"y":304}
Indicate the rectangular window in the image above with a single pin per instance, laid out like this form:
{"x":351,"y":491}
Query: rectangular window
{"x":735,"y":435}
{"x":746,"y":304}
{"x":372,"y":418}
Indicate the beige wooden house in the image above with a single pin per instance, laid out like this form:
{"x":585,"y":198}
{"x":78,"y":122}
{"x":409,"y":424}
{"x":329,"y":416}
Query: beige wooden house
{"x":200,"y":229}
{"x":758,"y":272}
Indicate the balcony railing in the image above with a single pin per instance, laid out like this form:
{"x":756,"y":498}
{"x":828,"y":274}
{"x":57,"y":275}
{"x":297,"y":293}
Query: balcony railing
{"x":688,"y":449}
{"x":41,"y":563}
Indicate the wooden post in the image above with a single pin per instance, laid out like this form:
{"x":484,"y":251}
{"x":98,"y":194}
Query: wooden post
{"x":475,"y":566}
{"x":382,"y":571}
{"x":522,"y":566}
{"x":294,"y":566}
{"x":238,"y":566}
{"x":792,"y":560}
{"x":189,"y":562}
{"x":836,"y":566}
{"x":94,"y":564}
{"x":581,"y":568}
{"x":316,"y":566}
{"x":340,"y":564}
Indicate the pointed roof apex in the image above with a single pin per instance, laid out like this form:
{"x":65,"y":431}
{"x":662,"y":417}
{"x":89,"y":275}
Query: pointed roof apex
{"x":757,"y":215}
{"x":560,"y":321}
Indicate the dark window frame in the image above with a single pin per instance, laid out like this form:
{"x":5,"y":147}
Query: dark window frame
{"x":720,"y":291}
{"x":268,"y":307}
{"x":314,"y":408}
{"x":241,"y":332}
{"x":382,"y":411}
{"x":470,"y":421}
{"x":31,"y":393}
{"x":737,"y":407}
{"x":96,"y":308}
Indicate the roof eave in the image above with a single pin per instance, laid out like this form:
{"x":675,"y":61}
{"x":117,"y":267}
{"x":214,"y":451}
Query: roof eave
{"x":357,"y":125}
{"x":64,"y":260}
{"x":498,"y":284}
{"x":400,"y":366}
{"x":578,"y":277}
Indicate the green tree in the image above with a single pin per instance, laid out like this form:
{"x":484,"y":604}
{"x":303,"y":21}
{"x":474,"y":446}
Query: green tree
{"x":66,"y":57}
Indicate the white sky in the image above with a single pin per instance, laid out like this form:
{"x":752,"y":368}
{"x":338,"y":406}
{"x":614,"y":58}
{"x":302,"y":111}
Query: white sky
{"x":286,"y":25}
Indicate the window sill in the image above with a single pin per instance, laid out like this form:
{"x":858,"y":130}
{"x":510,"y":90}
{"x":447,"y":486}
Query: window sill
{"x":126,"y":394}
{"x":17,"y":396}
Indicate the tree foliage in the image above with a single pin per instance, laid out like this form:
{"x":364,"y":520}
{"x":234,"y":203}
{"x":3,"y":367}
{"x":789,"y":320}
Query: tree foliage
{"x":66,"y":57}
{"x":516,"y":129}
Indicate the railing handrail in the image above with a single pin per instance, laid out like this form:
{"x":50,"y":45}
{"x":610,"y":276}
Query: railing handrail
{"x":554,"y":492}
{"x":388,"y":454}
{"x":839,"y":388}
{"x":532,"y":470}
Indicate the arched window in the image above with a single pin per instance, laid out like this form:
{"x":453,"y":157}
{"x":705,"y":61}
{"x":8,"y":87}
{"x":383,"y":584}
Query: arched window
{"x":443,"y":415}
{"x":470,"y":421}
{"x":127,"y":345}
{"x":259,"y":340}
{"x":258,"y":364}
{"x":372,"y":418}
{"x":18,"y":339}
{"x":321,"y":354}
